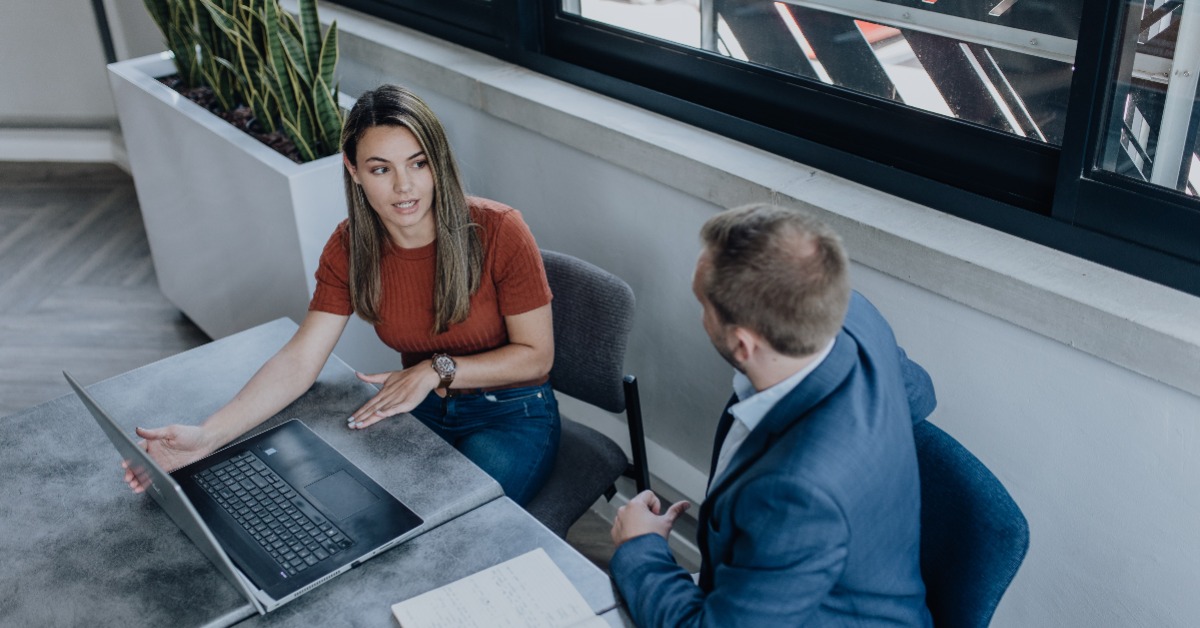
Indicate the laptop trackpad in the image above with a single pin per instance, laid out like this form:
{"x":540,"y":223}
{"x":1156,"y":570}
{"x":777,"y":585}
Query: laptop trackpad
{"x":341,"y":495}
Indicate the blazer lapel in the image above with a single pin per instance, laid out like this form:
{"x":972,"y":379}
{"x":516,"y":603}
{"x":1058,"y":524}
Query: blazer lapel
{"x":723,"y":426}
{"x":788,"y":411}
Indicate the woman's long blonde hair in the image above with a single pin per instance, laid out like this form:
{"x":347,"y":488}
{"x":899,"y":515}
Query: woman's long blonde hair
{"x":459,"y":263}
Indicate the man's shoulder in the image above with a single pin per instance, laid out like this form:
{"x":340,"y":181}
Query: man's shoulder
{"x":865,"y":320}
{"x":864,"y":417}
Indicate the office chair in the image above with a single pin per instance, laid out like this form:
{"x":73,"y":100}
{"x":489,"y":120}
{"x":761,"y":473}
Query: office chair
{"x":973,"y":535}
{"x":593,"y":314}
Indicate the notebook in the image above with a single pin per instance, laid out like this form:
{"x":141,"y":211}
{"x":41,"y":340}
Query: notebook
{"x":528,"y":591}
{"x":278,"y":514}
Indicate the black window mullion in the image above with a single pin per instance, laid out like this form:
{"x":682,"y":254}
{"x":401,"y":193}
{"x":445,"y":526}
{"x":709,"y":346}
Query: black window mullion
{"x":1099,"y":33}
{"x":1087,"y":195}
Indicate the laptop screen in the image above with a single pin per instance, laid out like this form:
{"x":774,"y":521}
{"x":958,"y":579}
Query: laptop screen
{"x":165,"y":491}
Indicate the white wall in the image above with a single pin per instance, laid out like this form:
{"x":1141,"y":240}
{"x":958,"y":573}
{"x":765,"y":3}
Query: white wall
{"x":55,"y":105}
{"x":134,"y":34}
{"x":53,"y":65}
{"x":1102,"y":461}
{"x":1100,"y":457}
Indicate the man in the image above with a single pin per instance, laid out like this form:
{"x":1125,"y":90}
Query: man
{"x":813,"y":505}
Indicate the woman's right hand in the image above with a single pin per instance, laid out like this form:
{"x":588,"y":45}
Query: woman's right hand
{"x":172,"y":447}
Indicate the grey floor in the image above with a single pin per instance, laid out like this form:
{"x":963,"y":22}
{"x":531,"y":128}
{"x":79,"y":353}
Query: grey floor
{"x":78,"y":293}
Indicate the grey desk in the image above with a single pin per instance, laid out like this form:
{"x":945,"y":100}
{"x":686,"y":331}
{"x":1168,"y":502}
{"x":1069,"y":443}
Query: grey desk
{"x":79,"y":548}
{"x":485,"y":536}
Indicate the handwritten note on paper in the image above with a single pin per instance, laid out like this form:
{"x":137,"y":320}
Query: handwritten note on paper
{"x":529,"y":591}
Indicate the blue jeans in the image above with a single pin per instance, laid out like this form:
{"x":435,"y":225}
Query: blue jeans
{"x":511,"y":434}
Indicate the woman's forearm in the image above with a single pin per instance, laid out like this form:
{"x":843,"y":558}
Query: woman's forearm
{"x":505,"y":365}
{"x":280,"y":381}
{"x":527,"y":357}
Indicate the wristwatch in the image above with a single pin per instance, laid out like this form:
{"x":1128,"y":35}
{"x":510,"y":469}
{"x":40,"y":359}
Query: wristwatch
{"x":445,"y":367}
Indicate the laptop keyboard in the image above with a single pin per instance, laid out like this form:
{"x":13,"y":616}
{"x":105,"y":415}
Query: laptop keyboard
{"x":283,"y":522}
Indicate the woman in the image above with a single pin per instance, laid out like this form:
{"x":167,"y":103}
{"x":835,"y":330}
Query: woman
{"x":454,"y":283}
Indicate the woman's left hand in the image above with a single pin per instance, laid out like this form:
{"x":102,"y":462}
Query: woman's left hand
{"x":402,"y":391}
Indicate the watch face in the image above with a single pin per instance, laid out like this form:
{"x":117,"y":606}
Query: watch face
{"x":444,"y":364}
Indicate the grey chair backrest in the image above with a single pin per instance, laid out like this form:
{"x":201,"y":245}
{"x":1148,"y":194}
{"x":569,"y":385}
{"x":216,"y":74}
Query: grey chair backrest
{"x":593,"y":315}
{"x":973,"y":535}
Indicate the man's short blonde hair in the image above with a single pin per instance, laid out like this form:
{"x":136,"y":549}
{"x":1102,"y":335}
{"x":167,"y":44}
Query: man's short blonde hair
{"x":779,"y":272}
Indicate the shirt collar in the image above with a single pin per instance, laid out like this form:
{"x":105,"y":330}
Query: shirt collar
{"x":753,"y":406}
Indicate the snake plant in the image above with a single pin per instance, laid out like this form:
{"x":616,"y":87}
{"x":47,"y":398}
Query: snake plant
{"x":253,"y":53}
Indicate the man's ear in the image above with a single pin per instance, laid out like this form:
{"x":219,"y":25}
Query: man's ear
{"x":746,"y":344}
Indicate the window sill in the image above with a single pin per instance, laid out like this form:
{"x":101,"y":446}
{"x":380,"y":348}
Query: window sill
{"x":1133,"y":323}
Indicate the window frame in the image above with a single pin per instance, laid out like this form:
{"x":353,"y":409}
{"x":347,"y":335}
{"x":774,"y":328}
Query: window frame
{"x":480,"y":24}
{"x":1050,"y":195}
{"x":926,"y":145}
{"x":1095,"y":199}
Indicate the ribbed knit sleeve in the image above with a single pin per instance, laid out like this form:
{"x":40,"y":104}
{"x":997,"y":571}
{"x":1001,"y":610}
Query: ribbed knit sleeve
{"x":517,"y":269}
{"x":332,"y":293}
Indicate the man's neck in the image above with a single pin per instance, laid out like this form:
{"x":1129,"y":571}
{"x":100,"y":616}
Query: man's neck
{"x":772,"y":367}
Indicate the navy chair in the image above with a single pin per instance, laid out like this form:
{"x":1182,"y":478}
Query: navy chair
{"x":973,"y":535}
{"x":593,"y":315}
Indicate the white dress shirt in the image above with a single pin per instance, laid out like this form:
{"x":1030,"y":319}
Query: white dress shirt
{"x":752,"y":407}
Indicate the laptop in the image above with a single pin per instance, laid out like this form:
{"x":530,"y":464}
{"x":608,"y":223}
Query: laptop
{"x":278,"y":514}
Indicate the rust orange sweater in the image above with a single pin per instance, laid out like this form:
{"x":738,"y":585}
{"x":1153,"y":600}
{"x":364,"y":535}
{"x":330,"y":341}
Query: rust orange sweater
{"x":513,"y":282}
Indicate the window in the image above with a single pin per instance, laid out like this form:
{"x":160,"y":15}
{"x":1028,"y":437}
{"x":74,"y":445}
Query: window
{"x":1076,"y":129}
{"x":1130,"y":168}
{"x":1002,"y":68}
{"x":1151,"y":127}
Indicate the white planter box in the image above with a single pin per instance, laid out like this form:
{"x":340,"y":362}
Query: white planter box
{"x":235,"y":228}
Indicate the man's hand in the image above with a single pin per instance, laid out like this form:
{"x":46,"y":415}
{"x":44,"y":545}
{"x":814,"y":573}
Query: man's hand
{"x":402,"y":391}
{"x":641,"y":516}
{"x":172,"y":447}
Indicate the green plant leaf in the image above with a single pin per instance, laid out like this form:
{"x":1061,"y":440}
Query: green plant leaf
{"x":222,"y":19}
{"x":310,"y":35}
{"x":295,"y":55}
{"x":306,"y":151}
{"x":329,"y":54}
{"x":212,"y":77}
{"x":329,"y":117}
{"x":252,"y":52}
{"x":278,"y":60}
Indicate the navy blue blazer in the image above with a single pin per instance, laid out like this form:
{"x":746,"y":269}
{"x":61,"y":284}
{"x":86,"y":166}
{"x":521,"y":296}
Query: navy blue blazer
{"x":816,"y":520}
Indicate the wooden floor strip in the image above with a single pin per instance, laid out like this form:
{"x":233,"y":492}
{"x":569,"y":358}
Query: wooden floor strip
{"x":77,"y":286}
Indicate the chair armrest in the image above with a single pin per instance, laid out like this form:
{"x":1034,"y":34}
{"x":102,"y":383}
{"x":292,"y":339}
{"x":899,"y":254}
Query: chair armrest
{"x":638,"y":469}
